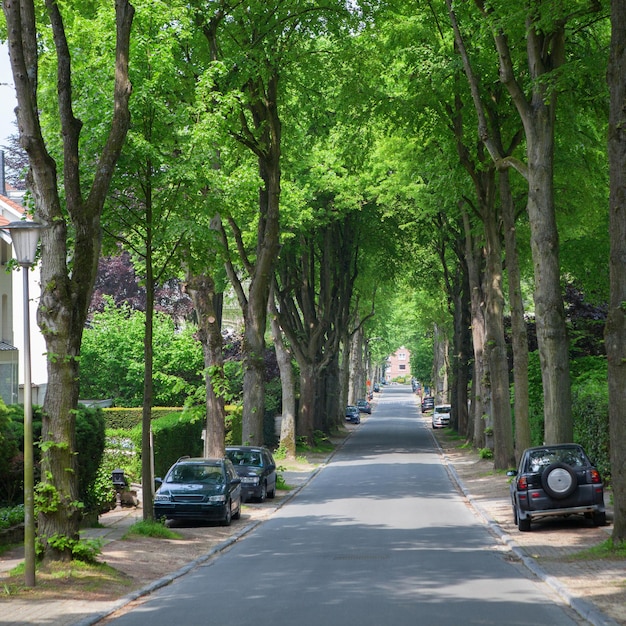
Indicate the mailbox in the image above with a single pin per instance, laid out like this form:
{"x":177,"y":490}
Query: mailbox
{"x":119,"y":480}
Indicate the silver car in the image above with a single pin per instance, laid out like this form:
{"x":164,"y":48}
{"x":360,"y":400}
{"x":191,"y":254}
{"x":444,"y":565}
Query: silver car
{"x":441,"y":416}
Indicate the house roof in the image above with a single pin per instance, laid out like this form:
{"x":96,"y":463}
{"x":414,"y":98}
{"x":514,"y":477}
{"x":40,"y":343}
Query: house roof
{"x":10,"y":211}
{"x":11,"y":206}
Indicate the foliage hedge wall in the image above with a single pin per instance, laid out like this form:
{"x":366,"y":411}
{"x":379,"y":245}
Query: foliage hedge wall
{"x":590,"y":407}
{"x":90,"y":442}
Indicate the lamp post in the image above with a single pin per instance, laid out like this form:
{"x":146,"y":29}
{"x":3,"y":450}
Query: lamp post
{"x":25,"y":236}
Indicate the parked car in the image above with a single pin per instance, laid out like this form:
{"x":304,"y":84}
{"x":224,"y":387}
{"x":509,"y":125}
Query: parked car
{"x":556,"y":480}
{"x":376,"y":387}
{"x":256,"y":467}
{"x":364,"y":406}
{"x":428,"y":404}
{"x":441,"y":416}
{"x":199,"y":489}
{"x":352,"y":414}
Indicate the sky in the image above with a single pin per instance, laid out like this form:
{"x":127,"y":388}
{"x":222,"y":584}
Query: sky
{"x":7,"y":97}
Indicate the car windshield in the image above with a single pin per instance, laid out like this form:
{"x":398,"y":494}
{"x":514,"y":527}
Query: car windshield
{"x":442,"y":409}
{"x":241,"y":457}
{"x":539,"y":459}
{"x":196,"y":474}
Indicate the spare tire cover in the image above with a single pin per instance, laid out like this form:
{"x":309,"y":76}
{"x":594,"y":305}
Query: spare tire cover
{"x":559,"y":480}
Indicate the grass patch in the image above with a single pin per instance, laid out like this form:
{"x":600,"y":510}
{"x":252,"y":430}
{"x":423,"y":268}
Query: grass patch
{"x":321,"y":444}
{"x":281,"y":485}
{"x":58,"y":579}
{"x":153,"y":529}
{"x":605,"y":550}
{"x":452,"y":434}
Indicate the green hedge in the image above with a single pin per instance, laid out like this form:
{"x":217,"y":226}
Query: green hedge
{"x":173,"y":435}
{"x":90,"y":438}
{"x":590,"y":407}
{"x":127,"y":418}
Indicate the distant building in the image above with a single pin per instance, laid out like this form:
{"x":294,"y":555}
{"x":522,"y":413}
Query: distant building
{"x":398,"y":364}
{"x":12,"y":315}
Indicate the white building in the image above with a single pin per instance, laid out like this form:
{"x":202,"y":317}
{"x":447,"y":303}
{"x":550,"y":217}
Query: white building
{"x":12,"y":315}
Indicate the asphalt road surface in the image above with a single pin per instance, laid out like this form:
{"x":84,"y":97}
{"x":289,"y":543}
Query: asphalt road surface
{"x":380,"y":537}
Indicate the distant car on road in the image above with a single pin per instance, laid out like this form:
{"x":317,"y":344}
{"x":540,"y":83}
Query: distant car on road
{"x":352,"y":414}
{"x":441,"y":416}
{"x":256,"y":467}
{"x":199,"y":489}
{"x":556,"y":480}
{"x":364,"y":406}
{"x":428,"y":404}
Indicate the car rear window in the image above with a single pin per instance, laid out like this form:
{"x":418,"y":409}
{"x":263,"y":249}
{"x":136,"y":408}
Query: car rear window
{"x":542,"y":458}
{"x":245,"y":458}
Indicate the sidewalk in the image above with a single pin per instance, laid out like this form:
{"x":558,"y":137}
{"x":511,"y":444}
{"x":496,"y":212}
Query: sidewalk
{"x":595,"y":589}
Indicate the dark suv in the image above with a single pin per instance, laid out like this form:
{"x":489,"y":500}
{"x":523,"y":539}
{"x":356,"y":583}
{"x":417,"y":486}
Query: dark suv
{"x":556,"y":480}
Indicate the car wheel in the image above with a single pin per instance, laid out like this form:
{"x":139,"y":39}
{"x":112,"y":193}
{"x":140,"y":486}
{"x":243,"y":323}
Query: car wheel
{"x":272,"y":494}
{"x":263,"y":493}
{"x":599,"y":518}
{"x":228,"y":515}
{"x":559,"y":480}
{"x":522,"y":524}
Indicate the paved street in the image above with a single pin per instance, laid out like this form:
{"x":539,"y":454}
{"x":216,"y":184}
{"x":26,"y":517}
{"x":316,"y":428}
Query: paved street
{"x":379,"y":536}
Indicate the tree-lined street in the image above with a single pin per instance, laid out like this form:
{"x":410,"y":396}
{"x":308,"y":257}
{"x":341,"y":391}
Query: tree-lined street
{"x":380,"y":535}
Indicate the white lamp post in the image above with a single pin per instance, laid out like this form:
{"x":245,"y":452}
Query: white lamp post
{"x":25,"y":236}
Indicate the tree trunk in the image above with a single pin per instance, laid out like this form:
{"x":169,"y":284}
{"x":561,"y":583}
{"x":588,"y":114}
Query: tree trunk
{"x":519,"y":335}
{"x":552,"y":338}
{"x":147,"y":477}
{"x":356,"y":376}
{"x":504,"y":456}
{"x":479,"y":390}
{"x":545,"y":48}
{"x":68,"y":264}
{"x":334,"y":412}
{"x":208,"y":303}
{"x":307,"y":409}
{"x":287,"y":383}
{"x":462,"y":348}
{"x":615,"y":332}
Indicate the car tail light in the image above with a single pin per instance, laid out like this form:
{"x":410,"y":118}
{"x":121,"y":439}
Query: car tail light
{"x":522,"y":483}
{"x":595,"y":476}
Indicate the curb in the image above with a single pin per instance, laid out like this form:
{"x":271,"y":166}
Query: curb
{"x":166,"y":580}
{"x":585,"y":609}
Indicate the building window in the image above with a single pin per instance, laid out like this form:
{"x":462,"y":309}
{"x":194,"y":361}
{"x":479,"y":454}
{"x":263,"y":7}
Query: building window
{"x":401,"y":356}
{"x":402,"y":366}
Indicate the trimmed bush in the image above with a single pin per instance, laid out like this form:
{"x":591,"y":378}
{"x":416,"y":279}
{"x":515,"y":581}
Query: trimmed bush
{"x":173,"y":435}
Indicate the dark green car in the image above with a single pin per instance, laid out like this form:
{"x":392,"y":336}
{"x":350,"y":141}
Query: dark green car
{"x":196,"y":489}
{"x":256,"y":467}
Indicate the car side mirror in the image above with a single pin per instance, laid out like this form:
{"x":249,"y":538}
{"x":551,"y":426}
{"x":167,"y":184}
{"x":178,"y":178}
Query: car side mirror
{"x":235,"y":481}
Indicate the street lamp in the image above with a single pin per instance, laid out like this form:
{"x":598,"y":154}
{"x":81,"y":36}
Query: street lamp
{"x":25,"y":236}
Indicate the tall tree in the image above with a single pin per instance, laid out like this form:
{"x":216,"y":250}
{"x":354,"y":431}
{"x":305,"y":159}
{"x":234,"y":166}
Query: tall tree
{"x":615,"y":333}
{"x":543,"y":55}
{"x":71,"y":242}
{"x":141,"y":211}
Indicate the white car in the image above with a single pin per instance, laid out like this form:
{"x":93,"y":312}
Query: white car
{"x":441,"y":415}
